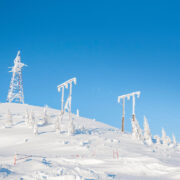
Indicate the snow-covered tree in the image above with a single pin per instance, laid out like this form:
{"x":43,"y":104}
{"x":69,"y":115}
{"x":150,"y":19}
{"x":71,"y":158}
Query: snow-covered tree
{"x":35,"y":128}
{"x":27,"y":117}
{"x":83,"y":129}
{"x":158,"y":139}
{"x":67,"y":104}
{"x":58,"y":123}
{"x":174,"y":140}
{"x":71,"y":128}
{"x":136,"y":130}
{"x":165,"y":139}
{"x":45,"y":115}
{"x":168,"y":140}
{"x":147,"y":132}
{"x":9,"y":118}
{"x":77,"y":114}
{"x":31,"y":119}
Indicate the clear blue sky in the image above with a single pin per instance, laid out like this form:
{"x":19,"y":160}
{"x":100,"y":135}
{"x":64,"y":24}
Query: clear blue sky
{"x":112,"y":47}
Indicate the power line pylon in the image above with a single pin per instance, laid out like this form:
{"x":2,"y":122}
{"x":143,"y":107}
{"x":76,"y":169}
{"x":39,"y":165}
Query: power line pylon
{"x":68,"y":102}
{"x":15,"y":93}
{"x":123,"y":97}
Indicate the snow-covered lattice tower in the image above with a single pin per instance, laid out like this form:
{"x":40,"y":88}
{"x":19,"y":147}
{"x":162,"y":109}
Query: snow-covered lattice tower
{"x":15,"y":93}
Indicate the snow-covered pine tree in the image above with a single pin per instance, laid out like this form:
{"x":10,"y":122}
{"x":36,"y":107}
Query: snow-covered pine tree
{"x":83,"y":130}
{"x":58,"y":123}
{"x":27,"y":117}
{"x":35,"y":129}
{"x":158,"y":139}
{"x":31,"y":119}
{"x":140,"y":134}
{"x":45,"y":115}
{"x":77,"y":114}
{"x":147,"y":132}
{"x":174,"y":140}
{"x":164,"y":137}
{"x":71,"y":128}
{"x":168,"y":140}
{"x":9,"y":118}
{"x":136,"y":130}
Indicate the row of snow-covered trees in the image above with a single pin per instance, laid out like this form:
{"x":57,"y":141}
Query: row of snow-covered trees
{"x":58,"y":125}
{"x":146,"y":137}
{"x":33,"y":122}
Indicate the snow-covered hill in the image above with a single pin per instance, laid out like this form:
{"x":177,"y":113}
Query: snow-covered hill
{"x":96,"y":151}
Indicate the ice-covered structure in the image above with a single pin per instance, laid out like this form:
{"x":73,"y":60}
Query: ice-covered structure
{"x":15,"y":93}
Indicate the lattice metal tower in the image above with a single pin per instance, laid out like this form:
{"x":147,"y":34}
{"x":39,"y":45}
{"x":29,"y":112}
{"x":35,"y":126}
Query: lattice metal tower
{"x":15,"y":93}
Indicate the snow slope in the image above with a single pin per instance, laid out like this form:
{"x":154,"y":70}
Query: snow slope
{"x":95,"y":151}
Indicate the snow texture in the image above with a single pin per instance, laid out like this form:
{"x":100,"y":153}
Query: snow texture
{"x":95,"y":152}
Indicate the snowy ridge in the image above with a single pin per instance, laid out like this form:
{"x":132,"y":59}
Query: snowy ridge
{"x":95,"y":151}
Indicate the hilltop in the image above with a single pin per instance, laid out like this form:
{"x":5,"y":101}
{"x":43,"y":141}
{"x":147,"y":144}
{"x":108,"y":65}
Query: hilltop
{"x":95,"y":151}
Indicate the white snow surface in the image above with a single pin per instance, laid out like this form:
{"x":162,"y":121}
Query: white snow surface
{"x":95,"y":152}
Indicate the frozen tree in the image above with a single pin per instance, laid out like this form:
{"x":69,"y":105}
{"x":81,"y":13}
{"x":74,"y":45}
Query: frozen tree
{"x":174,"y":140}
{"x":31,"y":119}
{"x":164,"y":138}
{"x":136,"y":130}
{"x":168,"y":140}
{"x":77,"y":114}
{"x":67,"y":104}
{"x":45,"y":115}
{"x":158,"y":139}
{"x":27,"y":117}
{"x":58,"y":123}
{"x":35,"y":128}
{"x":71,"y":128}
{"x":147,"y":132}
{"x":9,"y":118}
{"x":83,"y":129}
